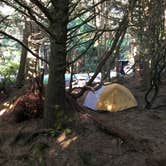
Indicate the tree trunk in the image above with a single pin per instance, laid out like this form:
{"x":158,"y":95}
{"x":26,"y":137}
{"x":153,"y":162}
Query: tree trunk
{"x":21,"y":72}
{"x":55,"y":95}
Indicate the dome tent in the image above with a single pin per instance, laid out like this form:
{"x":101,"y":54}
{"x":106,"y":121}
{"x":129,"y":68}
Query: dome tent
{"x":113,"y":97}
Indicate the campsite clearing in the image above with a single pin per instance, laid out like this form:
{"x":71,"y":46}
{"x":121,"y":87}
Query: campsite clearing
{"x":134,"y":137}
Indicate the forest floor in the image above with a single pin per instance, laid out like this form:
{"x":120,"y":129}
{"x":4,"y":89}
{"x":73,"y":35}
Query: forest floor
{"x":135,"y":137}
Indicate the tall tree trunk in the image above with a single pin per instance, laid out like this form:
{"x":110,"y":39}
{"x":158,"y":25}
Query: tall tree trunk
{"x":55,"y":95}
{"x":21,"y":72}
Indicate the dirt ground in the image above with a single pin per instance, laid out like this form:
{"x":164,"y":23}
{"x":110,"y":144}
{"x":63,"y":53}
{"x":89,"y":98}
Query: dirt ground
{"x":135,"y":137}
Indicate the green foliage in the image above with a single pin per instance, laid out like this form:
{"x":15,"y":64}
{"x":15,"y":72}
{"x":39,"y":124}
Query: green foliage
{"x":8,"y":69}
{"x":38,"y":153}
{"x":9,"y":50}
{"x":82,"y":40}
{"x":68,"y":131}
{"x":56,"y":132}
{"x":91,"y":60}
{"x":53,"y":133}
{"x":8,"y":73}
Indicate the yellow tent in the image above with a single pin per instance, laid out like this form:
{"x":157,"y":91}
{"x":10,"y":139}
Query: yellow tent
{"x":113,"y":97}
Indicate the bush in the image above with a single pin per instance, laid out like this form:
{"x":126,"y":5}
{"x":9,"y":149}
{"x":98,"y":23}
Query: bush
{"x":8,"y":73}
{"x":7,"y":70}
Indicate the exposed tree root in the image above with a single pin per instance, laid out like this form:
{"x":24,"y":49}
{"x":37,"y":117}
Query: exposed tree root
{"x":135,"y":144}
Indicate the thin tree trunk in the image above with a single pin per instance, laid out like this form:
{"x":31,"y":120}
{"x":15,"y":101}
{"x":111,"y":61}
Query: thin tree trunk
{"x":21,"y":72}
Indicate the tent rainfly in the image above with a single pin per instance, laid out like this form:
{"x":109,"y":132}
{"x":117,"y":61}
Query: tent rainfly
{"x":113,"y":97}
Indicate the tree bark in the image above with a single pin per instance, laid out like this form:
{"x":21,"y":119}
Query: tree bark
{"x":21,"y":72}
{"x":55,"y":94}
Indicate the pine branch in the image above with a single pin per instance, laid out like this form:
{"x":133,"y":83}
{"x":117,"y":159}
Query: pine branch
{"x":23,"y":45}
{"x":42,"y":8}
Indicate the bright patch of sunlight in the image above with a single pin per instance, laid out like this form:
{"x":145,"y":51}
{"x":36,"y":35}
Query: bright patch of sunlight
{"x":5,"y":10}
{"x":109,"y":107}
{"x":6,"y":104}
{"x":62,"y":137}
{"x":64,"y":141}
{"x":3,"y":111}
{"x":123,"y":1}
{"x":11,"y":106}
{"x":6,"y":107}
